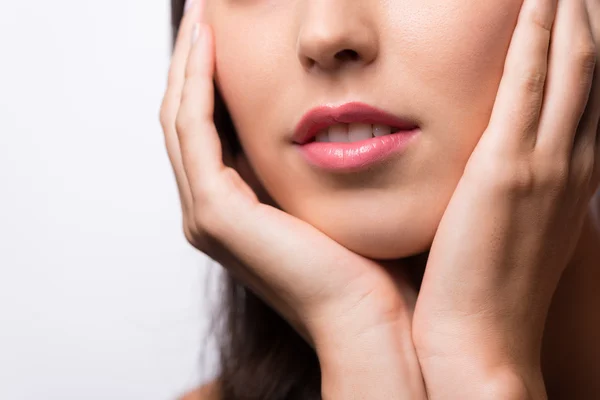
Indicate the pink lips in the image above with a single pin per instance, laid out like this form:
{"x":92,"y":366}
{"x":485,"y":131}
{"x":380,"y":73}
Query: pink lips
{"x":350,"y":156}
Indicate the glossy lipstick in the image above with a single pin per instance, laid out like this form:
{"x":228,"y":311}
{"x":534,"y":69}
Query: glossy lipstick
{"x":351,"y":156}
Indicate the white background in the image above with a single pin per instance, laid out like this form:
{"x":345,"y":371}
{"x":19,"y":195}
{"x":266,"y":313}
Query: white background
{"x":101,"y":297}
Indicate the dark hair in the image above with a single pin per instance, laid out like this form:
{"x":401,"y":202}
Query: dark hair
{"x":262,"y":357}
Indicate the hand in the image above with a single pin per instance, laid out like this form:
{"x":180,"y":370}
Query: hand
{"x":331,"y":295}
{"x":516,"y":215}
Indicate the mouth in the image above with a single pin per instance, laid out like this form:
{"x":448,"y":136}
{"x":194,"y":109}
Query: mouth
{"x":352,"y":137}
{"x":348,"y":123}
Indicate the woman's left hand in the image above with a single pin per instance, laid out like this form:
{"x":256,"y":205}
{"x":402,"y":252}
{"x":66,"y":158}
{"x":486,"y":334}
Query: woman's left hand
{"x":516,"y":215}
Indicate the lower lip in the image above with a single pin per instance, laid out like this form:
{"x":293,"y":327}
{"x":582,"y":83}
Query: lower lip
{"x":356,"y":155}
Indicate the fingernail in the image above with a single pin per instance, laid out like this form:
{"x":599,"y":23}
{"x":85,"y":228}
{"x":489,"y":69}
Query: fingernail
{"x":188,"y":5}
{"x":195,"y":32}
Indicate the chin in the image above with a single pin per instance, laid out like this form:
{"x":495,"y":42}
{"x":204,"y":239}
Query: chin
{"x":384,"y":236}
{"x":382,"y":247}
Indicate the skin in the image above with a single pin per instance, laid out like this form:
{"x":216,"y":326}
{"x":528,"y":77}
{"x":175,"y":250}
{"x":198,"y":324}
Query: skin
{"x":416,"y":57}
{"x":506,"y":179}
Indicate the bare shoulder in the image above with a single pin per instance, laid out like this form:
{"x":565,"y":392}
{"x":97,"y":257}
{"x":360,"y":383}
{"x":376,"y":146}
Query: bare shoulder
{"x":209,"y":391}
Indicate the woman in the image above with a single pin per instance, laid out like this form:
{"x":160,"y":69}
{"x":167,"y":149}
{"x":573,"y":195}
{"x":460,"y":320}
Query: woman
{"x":402,"y":193}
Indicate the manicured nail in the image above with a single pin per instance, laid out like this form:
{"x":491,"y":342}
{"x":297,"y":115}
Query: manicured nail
{"x":195,"y":32}
{"x":188,"y":5}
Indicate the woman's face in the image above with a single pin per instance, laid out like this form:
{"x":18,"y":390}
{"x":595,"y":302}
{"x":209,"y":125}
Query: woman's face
{"x":435,"y":62}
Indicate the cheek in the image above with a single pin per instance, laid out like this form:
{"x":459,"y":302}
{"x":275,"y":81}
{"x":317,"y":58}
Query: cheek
{"x":251,"y":65}
{"x":458,"y":50}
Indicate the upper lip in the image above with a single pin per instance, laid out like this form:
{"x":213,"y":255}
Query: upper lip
{"x":323,"y":117}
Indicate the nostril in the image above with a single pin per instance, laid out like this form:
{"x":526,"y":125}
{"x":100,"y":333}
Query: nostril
{"x":347,"y":55}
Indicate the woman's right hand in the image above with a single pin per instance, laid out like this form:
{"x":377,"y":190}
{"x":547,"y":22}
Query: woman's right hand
{"x":330,"y":295}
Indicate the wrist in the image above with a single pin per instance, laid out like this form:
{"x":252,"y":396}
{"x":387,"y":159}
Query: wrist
{"x":379,"y":363}
{"x":513,"y":384}
{"x":348,"y":317}
{"x":487,"y":350}
{"x":482,"y":378}
{"x":364,"y":345}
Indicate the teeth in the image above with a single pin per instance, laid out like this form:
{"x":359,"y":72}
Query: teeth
{"x":344,"y":133}
{"x":339,"y":133}
{"x":323,"y":136}
{"x":381,"y":130}
{"x":358,"y":132}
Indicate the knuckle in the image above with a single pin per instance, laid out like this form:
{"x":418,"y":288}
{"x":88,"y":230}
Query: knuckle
{"x":165,"y":116}
{"x":553,"y":174}
{"x":523,"y":178}
{"x":185,"y":119}
{"x":533,"y":80}
{"x":540,"y":18}
{"x":206,"y":220}
{"x":190,"y":112}
{"x":189,"y":233}
{"x":517,"y":178}
{"x":505,"y":176}
{"x":195,"y":236}
{"x":181,"y":122}
{"x":206,"y":208}
{"x":585,"y":172}
{"x":586,"y":59}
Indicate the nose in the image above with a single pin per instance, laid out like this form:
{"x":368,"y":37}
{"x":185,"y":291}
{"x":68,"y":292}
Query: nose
{"x":335,"y":33}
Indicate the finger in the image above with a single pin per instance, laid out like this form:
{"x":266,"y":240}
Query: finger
{"x":514,"y":119}
{"x":194,"y":13}
{"x":571,"y":65}
{"x":200,"y":145}
{"x":172,"y":99}
{"x":586,"y":153}
{"x":594,"y":16}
